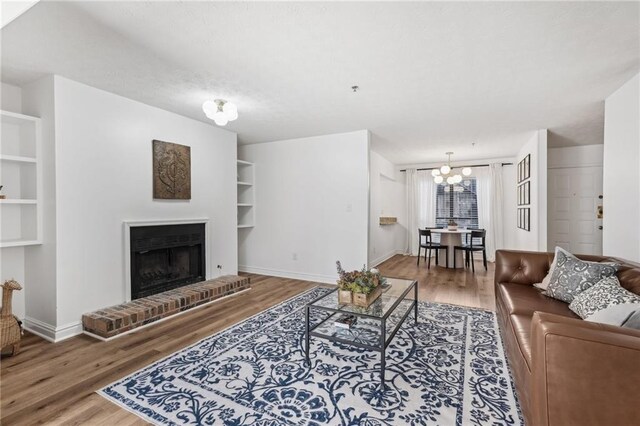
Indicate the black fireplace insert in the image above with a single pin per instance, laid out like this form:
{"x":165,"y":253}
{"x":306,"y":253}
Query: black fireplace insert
{"x":164,"y":257}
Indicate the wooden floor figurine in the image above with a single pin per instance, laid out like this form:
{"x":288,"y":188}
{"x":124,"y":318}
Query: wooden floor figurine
{"x":10,"y":331}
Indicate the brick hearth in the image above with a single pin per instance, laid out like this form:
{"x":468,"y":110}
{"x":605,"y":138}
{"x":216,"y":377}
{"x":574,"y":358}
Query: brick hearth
{"x":110,"y":322}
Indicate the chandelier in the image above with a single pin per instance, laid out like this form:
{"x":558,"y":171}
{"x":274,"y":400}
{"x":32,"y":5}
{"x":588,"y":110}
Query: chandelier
{"x":447,"y":174}
{"x":220,"y":111}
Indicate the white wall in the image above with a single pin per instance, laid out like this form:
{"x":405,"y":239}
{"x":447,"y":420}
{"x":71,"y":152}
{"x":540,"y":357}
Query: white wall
{"x":12,"y":258}
{"x":38,"y":99}
{"x":509,"y":207}
{"x":575,"y":156}
{"x":388,"y":198}
{"x":621,"y":169}
{"x":11,"y":98}
{"x":536,"y":238}
{"x":311,"y":206}
{"x":98,"y":173}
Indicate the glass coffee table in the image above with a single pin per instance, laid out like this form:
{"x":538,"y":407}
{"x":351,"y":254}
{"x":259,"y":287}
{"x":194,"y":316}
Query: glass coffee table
{"x":375,"y":326}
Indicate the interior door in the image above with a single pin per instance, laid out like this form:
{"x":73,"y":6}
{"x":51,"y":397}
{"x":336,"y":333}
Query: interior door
{"x":574,"y":197}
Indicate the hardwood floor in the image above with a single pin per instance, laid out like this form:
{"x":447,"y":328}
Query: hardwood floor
{"x":56,"y":383}
{"x":455,"y":286}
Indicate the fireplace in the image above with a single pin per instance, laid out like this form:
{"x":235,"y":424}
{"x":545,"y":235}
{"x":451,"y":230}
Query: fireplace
{"x":164,"y":257}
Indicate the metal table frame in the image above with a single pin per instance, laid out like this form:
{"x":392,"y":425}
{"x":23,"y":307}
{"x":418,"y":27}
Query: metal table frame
{"x":384,"y":339}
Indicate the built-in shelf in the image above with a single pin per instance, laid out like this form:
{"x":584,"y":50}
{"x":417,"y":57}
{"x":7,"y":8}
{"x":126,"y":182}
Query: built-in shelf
{"x":388,"y":220}
{"x":9,"y":117}
{"x":17,"y":201}
{"x":246,"y":194}
{"x":18,"y":159}
{"x":20,"y":154}
{"x":18,"y":243}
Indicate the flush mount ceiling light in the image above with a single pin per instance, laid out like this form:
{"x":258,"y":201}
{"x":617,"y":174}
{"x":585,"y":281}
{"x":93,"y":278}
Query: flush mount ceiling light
{"x":447,"y":174}
{"x":220,"y":111}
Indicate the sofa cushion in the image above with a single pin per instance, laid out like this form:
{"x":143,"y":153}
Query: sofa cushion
{"x":521,"y":325}
{"x":629,"y":276}
{"x":572,"y":276}
{"x":525,"y":299}
{"x":604,"y":294}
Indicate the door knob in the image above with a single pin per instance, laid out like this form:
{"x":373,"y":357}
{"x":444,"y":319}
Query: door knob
{"x":600,"y":227}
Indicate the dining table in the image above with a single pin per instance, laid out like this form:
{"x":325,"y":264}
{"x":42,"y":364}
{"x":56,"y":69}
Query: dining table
{"x":452,"y":238}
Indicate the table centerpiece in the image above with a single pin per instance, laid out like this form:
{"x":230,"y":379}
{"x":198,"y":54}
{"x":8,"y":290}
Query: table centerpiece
{"x":359,"y":288}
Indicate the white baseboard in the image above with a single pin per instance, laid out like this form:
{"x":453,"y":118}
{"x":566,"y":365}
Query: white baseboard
{"x":39,"y":328}
{"x":69,"y":330}
{"x":51,"y":333}
{"x":387,"y":256}
{"x":326,"y":279}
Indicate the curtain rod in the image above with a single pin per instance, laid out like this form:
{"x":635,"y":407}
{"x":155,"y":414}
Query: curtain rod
{"x":459,"y":167}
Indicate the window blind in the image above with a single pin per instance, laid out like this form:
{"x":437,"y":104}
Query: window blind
{"x":458,"y":202}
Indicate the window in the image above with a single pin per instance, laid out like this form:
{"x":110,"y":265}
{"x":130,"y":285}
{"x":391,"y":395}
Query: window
{"x":458,"y":202}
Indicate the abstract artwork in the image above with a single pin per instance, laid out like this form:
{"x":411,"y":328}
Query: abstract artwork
{"x":171,"y":171}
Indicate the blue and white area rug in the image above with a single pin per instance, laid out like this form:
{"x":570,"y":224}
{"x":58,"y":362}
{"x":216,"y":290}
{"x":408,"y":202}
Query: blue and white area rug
{"x":449,"y":369}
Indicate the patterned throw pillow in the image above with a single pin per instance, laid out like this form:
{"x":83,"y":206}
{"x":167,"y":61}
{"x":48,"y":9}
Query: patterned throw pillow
{"x":572,"y":276}
{"x":605,"y":293}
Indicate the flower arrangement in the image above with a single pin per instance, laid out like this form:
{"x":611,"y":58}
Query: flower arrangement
{"x":360,"y":282}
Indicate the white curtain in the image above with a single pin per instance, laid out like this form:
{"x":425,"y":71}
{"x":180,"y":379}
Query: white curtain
{"x":421,"y":205}
{"x":497,"y":201}
{"x":490,"y":199}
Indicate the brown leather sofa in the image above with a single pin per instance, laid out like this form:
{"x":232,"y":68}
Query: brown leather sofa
{"x":567,"y":371}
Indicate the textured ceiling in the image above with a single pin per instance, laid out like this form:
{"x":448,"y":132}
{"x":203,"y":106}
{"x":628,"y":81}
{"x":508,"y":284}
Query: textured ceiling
{"x":434,"y":77}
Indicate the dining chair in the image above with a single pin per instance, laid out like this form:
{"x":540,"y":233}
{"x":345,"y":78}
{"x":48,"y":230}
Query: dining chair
{"x":428,"y":244}
{"x":474,"y":241}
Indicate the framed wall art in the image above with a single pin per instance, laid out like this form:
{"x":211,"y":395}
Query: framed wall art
{"x":524,"y":218}
{"x":524,"y":169}
{"x":524,"y":194}
{"x":171,"y":171}
{"x":523,"y":187}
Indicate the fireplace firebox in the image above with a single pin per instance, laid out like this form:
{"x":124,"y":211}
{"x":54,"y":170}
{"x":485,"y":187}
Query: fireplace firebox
{"x":164,"y":257}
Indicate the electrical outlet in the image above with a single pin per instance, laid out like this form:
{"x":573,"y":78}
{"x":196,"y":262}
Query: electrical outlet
{"x":294,"y":256}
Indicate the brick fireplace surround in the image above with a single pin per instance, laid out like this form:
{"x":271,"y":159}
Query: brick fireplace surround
{"x":110,"y":322}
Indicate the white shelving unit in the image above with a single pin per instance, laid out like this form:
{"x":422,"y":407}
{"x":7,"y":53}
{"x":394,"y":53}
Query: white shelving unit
{"x":246,"y":194}
{"x":21,"y":178}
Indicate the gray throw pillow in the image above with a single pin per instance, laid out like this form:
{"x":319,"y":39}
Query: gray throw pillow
{"x":572,"y":276}
{"x":633,"y":321}
{"x":614,"y":314}
{"x":605,"y":293}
